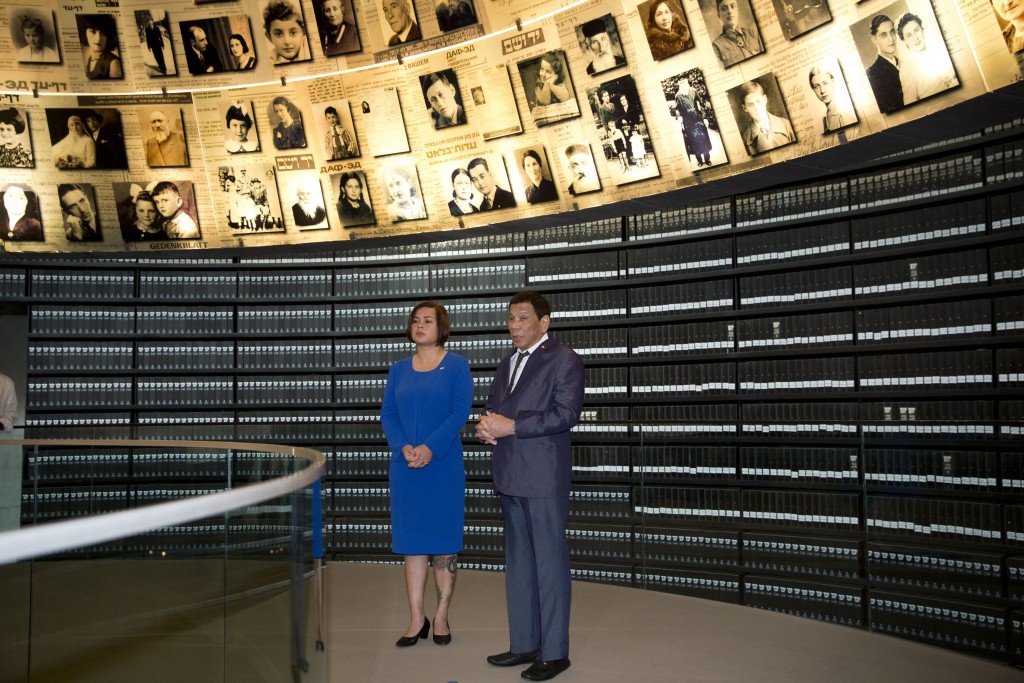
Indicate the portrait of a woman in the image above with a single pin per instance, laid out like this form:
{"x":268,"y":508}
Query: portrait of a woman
{"x":288,"y":133}
{"x":427,"y":400}
{"x":13,"y":154}
{"x":77,"y":149}
{"x":462,"y":194}
{"x":100,"y":46}
{"x":240,"y":52}
{"x":538,"y":188}
{"x":666,"y":29}
{"x":924,"y":69}
{"x":402,"y":188}
{"x":19,"y":215}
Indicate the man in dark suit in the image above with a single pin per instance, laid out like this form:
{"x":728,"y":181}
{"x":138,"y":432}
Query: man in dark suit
{"x":884,"y":73}
{"x":533,"y":405}
{"x":106,"y":133}
{"x":402,"y":21}
{"x":198,"y":55}
{"x":494,"y":197}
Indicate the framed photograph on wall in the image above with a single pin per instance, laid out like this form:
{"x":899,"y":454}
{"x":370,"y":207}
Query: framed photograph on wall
{"x":689,"y":104}
{"x":353,"y":199}
{"x":20,"y":219}
{"x":33,"y":35}
{"x":548,"y":87}
{"x":78,"y":209}
{"x":15,"y":139}
{"x":250,"y":201}
{"x":761,"y":115}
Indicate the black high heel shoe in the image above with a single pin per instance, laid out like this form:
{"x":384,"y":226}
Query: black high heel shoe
{"x":446,"y":638}
{"x":406,"y":641}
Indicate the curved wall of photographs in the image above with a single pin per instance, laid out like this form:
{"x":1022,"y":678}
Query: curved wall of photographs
{"x":268,"y":122}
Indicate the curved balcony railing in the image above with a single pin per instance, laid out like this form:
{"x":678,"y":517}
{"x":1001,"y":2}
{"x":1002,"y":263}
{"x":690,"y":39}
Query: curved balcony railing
{"x":185,"y":560}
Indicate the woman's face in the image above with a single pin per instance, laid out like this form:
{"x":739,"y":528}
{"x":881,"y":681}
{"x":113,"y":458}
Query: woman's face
{"x":546,"y":72}
{"x":399,"y":188}
{"x":424,"y":326}
{"x":15,"y":201}
{"x":663,"y":16}
{"x":283,"y":114}
{"x":823,"y":86}
{"x":235,"y":45}
{"x":532,"y":168}
{"x":96,"y":39}
{"x":623,"y":101}
{"x":7,"y":135}
{"x":145,"y":213}
{"x":239,"y":130}
{"x":34,"y":37}
{"x":75,"y":126}
{"x":913,"y":36}
{"x":463,"y":187}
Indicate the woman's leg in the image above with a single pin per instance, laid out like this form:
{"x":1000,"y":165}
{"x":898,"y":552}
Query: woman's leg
{"x":446,"y":568}
{"x":415,"y":581}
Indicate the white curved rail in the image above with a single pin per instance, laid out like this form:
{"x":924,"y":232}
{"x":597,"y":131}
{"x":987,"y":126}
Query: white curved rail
{"x":53,"y":537}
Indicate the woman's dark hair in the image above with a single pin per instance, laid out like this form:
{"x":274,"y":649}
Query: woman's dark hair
{"x":455,"y":174}
{"x":553,"y":58}
{"x":532,"y":153}
{"x":443,"y":324}
{"x":240,"y":39}
{"x":105,"y":24}
{"x":13,"y":117}
{"x":906,"y":19}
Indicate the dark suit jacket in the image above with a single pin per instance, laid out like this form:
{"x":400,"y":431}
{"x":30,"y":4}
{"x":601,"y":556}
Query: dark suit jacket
{"x":503,"y":199}
{"x":885,"y":82}
{"x":414,"y":34}
{"x":536,"y":461}
{"x":192,"y":59}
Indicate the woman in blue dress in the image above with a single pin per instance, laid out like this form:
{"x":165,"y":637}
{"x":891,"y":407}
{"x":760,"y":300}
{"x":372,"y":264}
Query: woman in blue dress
{"x":426,"y":403}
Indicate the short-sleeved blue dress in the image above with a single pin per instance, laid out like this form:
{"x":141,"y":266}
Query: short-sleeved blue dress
{"x":428,"y":505}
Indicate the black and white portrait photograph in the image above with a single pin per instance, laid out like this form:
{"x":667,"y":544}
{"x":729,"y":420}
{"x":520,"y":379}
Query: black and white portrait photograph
{"x":20,"y":220}
{"x":733,"y":29}
{"x":580,"y":168}
{"x":454,"y":14}
{"x":695,"y":122}
{"x":622,"y":129}
{"x":353,"y":198}
{"x":303,"y":193}
{"x":86,"y":138}
{"x":249,"y":199}
{"x":78,"y":210}
{"x":240,"y":134}
{"x":665,"y":27}
{"x":761,"y":115}
{"x":535,"y":175}
{"x":399,"y":23}
{"x":490,"y":180}
{"x":33,"y":35}
{"x":825,"y":79}
{"x":336,"y":24}
{"x":401,"y":184}
{"x":101,"y":47}
{"x":465,"y":199}
{"x":217,"y":44}
{"x":154,"y":210}
{"x":1010,"y":15}
{"x":335,"y":130}
{"x":548,"y":88}
{"x":284,"y":28}
{"x":286,"y":121}
{"x":797,"y":17}
{"x":154,"y":41}
{"x":15,"y":139}
{"x":600,"y":44}
{"x":904,"y":55}
{"x":163,"y":136}
{"x":442,"y":98}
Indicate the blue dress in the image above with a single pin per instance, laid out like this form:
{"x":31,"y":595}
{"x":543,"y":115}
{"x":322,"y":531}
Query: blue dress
{"x":428,"y":505}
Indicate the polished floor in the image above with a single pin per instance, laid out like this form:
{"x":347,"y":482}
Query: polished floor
{"x":617,"y":634}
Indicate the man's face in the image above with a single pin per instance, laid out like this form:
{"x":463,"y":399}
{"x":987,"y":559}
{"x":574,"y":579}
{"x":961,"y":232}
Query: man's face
{"x":334,"y":12}
{"x":304,"y":195}
{"x":158,"y":124}
{"x":332,"y":119}
{"x":239,"y":130}
{"x":353,"y":189}
{"x":287,"y":37}
{"x":756,"y":105}
{"x":1009,"y":10}
{"x":885,"y":39}
{"x":77,"y":204}
{"x":606,"y":97}
{"x":823,"y":86}
{"x":199,"y":40}
{"x":93,"y":122}
{"x":167,"y":203}
{"x":34,"y":37}
{"x":580,"y":166}
{"x":524,"y":326}
{"x":482,"y":180}
{"x":728,"y":13}
{"x":397,"y":15}
{"x":442,"y":99}
{"x":600,"y":44}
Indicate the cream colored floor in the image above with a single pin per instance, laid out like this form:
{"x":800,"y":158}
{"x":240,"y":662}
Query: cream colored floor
{"x":617,"y":634}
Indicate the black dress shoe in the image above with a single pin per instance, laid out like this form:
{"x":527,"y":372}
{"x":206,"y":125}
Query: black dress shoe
{"x":545,"y":671}
{"x":406,"y":641}
{"x":512,"y":658}
{"x":446,"y":638}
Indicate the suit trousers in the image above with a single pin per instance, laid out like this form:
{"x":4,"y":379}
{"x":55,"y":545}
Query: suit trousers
{"x":538,"y":584}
